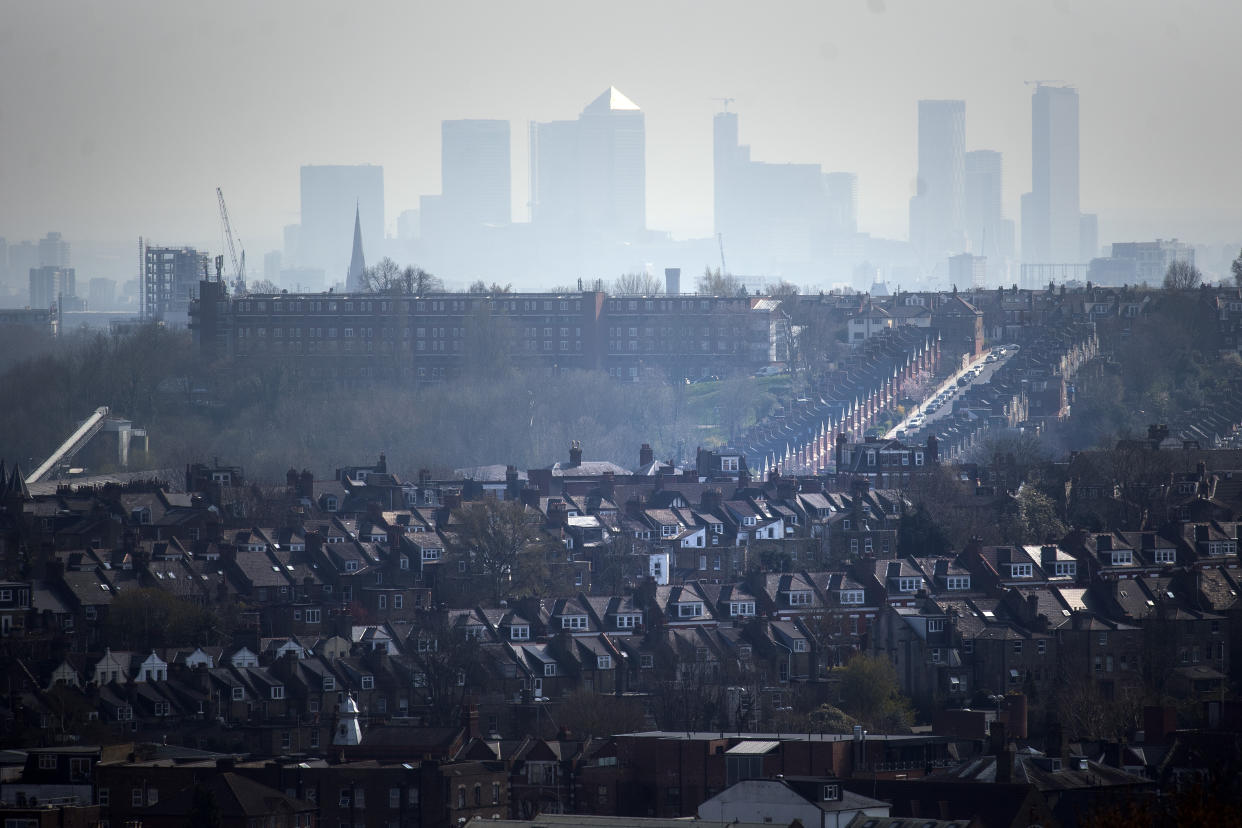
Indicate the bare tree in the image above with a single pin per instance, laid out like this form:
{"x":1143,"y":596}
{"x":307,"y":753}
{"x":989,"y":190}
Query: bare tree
{"x":1236,"y":267}
{"x":716,"y":283}
{"x":447,"y":667}
{"x":386,"y":276}
{"x":501,"y":543}
{"x":636,"y":284}
{"x":479,"y":286}
{"x":1182,"y":275}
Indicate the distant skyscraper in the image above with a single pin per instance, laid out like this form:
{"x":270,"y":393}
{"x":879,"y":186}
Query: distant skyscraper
{"x":774,"y":218}
{"x":841,"y":189}
{"x":328,"y":192}
{"x":53,"y":251}
{"x":589,"y":176}
{"x":937,"y":217}
{"x":101,"y":293}
{"x":48,"y":285}
{"x":474,"y":172}
{"x":1050,"y":211}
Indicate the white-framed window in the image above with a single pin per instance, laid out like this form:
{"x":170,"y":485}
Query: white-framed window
{"x":628,"y":622}
{"x":909,"y":584}
{"x":741,"y":608}
{"x":800,"y":645}
{"x":278,"y":692}
{"x":136,"y":798}
{"x":239,"y":693}
{"x":519,"y":632}
{"x":957,"y":582}
{"x":368,"y":682}
{"x":47,"y":761}
{"x":382,"y":601}
{"x":549,"y":669}
{"x":1166,"y":556}
{"x":1123,"y":557}
{"x":603,"y":662}
{"x":312,"y":616}
{"x":690,"y":610}
{"x":1021,"y":570}
{"x":329,"y":683}
{"x":1066,"y":569}
{"x":573,"y":622}
{"x":934,"y":655}
{"x":853,"y":596}
{"x":729,"y":464}
{"x":935,"y":625}
{"x":799,"y":598}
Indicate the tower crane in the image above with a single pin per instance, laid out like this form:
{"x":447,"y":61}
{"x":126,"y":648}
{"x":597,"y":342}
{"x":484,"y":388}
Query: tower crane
{"x":239,"y":266}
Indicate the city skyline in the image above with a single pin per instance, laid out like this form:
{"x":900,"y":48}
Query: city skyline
{"x":806,"y":102}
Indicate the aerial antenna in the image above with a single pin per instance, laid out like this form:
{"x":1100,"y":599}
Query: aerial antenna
{"x":724,"y":102}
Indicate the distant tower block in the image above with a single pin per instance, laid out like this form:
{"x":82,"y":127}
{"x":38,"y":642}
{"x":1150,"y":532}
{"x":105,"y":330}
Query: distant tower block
{"x":672,"y":281}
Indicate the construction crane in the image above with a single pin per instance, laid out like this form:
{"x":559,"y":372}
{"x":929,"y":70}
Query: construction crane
{"x":239,"y":266}
{"x":724,"y":270}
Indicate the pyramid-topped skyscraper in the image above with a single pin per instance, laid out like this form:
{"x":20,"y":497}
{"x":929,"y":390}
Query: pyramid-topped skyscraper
{"x":589,"y":176}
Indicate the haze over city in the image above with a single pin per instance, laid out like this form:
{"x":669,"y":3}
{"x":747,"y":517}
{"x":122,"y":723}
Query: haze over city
{"x":120,"y":120}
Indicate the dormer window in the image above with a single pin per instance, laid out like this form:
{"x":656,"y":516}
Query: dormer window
{"x":1166,"y":556}
{"x":1021,"y":570}
{"x":831,"y":792}
{"x":351,"y":566}
{"x":573,"y":622}
{"x":690,"y":610}
{"x":935,"y":625}
{"x":749,"y":520}
{"x":957,"y":582}
{"x":549,"y":669}
{"x":799,"y":598}
{"x":519,"y":632}
{"x":729,"y":464}
{"x":1066,"y":569}
{"x":852,"y":596}
{"x":668,"y":530}
{"x":909,"y":584}
{"x":741,"y":608}
{"x":1122,"y":557}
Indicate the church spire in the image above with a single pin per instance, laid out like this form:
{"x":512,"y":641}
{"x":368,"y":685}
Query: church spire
{"x":357,"y":263}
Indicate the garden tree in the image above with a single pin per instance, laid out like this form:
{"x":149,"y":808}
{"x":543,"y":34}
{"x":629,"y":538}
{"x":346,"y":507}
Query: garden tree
{"x":715,"y":283}
{"x":205,"y":809}
{"x":1182,"y":275}
{"x":447,"y":666}
{"x":693,"y":698}
{"x":1085,"y":713}
{"x":823,"y":719}
{"x":870,"y":693}
{"x":619,"y":564}
{"x":636,"y":284}
{"x":586,"y":713}
{"x":921,"y":534}
{"x":148,"y":618}
{"x":500,"y":542}
{"x":1038,"y":520}
{"x":1236,"y":267}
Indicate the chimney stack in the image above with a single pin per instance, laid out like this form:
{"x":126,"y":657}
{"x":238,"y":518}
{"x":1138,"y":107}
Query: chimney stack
{"x":575,"y":453}
{"x":645,"y":455}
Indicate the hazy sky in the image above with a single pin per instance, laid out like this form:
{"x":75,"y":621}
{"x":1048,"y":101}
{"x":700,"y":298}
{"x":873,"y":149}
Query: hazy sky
{"x":120,"y":118}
